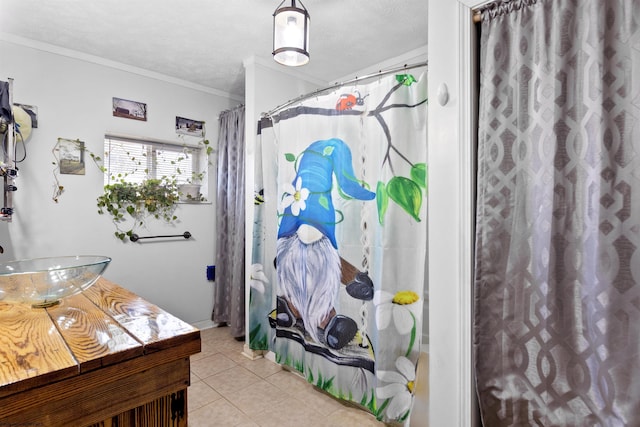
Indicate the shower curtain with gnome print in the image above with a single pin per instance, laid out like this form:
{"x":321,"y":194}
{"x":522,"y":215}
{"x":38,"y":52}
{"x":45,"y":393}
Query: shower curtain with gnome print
{"x":340,"y":237}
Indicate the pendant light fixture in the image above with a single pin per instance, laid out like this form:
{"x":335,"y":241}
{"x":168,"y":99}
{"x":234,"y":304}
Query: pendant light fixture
{"x":291,"y":34}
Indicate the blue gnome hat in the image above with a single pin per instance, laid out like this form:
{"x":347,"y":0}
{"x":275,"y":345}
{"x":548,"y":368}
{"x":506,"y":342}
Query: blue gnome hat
{"x":317,"y":165}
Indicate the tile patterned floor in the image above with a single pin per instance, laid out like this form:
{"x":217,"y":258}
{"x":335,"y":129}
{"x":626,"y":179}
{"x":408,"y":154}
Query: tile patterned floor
{"x":229,"y":389}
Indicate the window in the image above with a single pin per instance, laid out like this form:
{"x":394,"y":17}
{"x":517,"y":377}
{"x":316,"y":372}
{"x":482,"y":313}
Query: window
{"x":135,"y":160}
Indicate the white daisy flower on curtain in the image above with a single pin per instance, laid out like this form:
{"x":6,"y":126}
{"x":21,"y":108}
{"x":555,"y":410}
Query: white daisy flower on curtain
{"x":258,"y":278}
{"x":295,"y":197}
{"x":400,"y":389}
{"x":396,"y":306}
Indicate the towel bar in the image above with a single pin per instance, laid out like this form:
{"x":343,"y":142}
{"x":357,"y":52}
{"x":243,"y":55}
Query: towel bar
{"x":134,"y":237}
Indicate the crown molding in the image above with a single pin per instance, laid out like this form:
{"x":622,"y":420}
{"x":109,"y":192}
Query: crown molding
{"x":57,"y":50}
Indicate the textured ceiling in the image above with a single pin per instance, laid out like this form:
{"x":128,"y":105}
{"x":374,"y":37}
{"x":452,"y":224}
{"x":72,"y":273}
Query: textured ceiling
{"x":206,"y":41}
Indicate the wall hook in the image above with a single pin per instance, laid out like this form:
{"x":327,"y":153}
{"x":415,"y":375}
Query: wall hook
{"x":443,"y":94}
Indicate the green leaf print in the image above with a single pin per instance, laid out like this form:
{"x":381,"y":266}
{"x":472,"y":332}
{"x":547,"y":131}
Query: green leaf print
{"x":323,"y":201}
{"x":382,"y":200}
{"x":419,"y":174}
{"x":405,"y":79}
{"x":407,"y":194}
{"x":290,"y":157}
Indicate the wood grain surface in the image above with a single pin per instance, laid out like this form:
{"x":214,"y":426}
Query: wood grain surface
{"x":94,"y":338}
{"x":153,"y":327}
{"x":80,"y":403}
{"x":97,"y":356}
{"x":32,"y":351}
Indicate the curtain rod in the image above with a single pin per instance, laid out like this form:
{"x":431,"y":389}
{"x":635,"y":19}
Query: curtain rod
{"x":339,"y":84}
{"x":493,"y":7}
{"x":230,"y":109}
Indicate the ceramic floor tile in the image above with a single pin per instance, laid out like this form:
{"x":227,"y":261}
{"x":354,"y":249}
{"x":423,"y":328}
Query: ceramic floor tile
{"x":236,"y":355}
{"x":239,"y":356}
{"x":257,"y":398}
{"x":211,"y":365}
{"x":197,"y":356}
{"x":289,"y":413}
{"x":232,"y":380}
{"x":294,"y":384}
{"x":193,"y":378}
{"x":320,"y":401}
{"x":208,"y":348}
{"x":219,"y":413}
{"x":228,"y":346}
{"x":229,"y":389}
{"x":289,"y":382}
{"x":261,"y":367}
{"x":200,"y":394}
{"x":353,"y":417}
{"x":222,"y":343}
{"x":215,"y":333}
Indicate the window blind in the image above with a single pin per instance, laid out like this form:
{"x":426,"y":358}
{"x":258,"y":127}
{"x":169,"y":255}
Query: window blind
{"x":137,"y":160}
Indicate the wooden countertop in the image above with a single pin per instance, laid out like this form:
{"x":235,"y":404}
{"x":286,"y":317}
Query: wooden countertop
{"x":101,"y":327}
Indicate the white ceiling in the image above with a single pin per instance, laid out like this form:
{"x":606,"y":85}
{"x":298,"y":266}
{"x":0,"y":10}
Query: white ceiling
{"x":205,"y":41}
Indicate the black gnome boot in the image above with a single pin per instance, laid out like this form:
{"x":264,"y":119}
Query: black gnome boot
{"x":361,"y":287}
{"x":340,"y":330}
{"x":284,"y":316}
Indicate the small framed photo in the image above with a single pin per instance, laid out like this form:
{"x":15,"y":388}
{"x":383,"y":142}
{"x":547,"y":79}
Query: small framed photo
{"x":71,"y":156}
{"x":189,"y":127}
{"x":129,"y":109}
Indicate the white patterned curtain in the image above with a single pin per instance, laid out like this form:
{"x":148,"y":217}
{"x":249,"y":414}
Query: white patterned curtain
{"x":557,"y":285}
{"x":229,"y":294}
{"x":340,"y":203}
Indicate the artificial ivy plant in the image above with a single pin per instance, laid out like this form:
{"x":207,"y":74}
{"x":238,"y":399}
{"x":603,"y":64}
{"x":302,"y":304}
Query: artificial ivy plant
{"x":123,"y":200}
{"x":196,"y":177}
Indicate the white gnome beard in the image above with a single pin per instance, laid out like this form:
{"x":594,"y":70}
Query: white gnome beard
{"x":309,"y":278}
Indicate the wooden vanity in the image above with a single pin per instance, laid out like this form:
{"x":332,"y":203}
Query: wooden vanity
{"x":104,"y":357}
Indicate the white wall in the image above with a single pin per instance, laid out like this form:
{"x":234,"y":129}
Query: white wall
{"x":73,"y":94}
{"x":451,"y":177}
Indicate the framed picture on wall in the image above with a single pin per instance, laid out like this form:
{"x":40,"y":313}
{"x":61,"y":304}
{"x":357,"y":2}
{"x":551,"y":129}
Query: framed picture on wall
{"x":189,"y":127}
{"x":129,"y":109}
{"x":70,"y":155}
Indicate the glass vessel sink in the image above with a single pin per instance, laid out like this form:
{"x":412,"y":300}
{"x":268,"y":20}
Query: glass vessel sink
{"x":43,"y":282}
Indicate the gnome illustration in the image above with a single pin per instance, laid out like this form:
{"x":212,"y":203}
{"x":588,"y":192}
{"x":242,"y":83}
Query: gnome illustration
{"x":308,"y":263}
